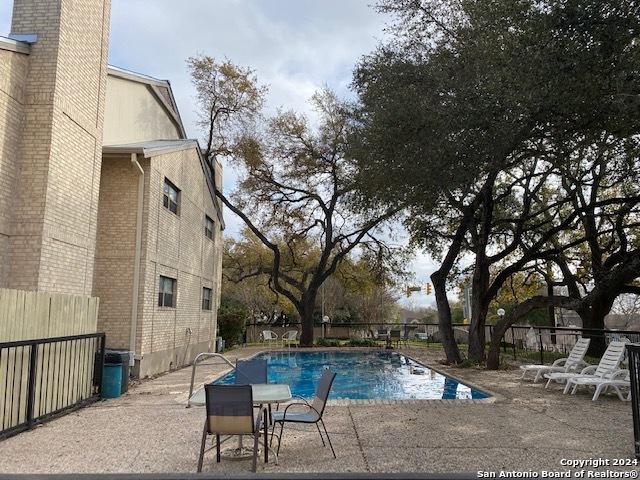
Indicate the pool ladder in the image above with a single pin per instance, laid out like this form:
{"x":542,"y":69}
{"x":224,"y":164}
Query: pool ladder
{"x":200,"y":357}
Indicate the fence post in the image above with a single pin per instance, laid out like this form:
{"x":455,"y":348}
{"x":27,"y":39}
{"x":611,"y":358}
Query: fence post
{"x":97,"y":382}
{"x":633,"y":351}
{"x":541,"y":347}
{"x":31,"y":389}
{"x":513,"y":341}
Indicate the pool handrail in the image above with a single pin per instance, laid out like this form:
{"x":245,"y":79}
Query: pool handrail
{"x":200,"y":356}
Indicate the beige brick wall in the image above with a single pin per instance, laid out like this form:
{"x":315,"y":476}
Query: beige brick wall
{"x":53,"y":230}
{"x":177,"y":247}
{"x":172,"y":245}
{"x":113,"y":276}
{"x":13,"y":72}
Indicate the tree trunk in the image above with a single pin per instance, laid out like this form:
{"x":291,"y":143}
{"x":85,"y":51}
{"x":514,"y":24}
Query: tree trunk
{"x":593,"y":317}
{"x":444,"y":319}
{"x":479,"y":309}
{"x":306,"y":310}
{"x":493,"y":357}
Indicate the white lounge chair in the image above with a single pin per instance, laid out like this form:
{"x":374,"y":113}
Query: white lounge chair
{"x":269,"y":336}
{"x":608,"y":365}
{"x":573,"y":362}
{"x":619,"y":379}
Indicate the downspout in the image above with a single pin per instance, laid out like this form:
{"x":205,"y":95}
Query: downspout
{"x":136,"y":262}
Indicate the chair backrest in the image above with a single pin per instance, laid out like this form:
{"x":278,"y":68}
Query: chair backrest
{"x":611,"y":359}
{"x":229,"y":409}
{"x":382,"y":331}
{"x":251,"y":371}
{"x":322,"y":391}
{"x":578,"y":352}
{"x":394,"y":334}
{"x":268,"y":335}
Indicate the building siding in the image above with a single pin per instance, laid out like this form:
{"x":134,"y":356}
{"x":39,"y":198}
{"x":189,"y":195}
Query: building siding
{"x":13,"y":73}
{"x":68,"y":216}
{"x":172,"y":245}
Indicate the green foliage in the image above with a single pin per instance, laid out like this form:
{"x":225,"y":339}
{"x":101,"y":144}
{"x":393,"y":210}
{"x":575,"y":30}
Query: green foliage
{"x":362,"y":342}
{"x":232,"y":316}
{"x":328,"y":342}
{"x":516,"y":289}
{"x":457,"y":312}
{"x":502,"y":124}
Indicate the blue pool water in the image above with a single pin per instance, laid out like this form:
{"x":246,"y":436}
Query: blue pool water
{"x":361,"y":376}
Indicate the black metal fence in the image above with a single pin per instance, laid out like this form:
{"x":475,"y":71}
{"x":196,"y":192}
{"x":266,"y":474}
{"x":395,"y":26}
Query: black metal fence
{"x":634,"y":368}
{"x":43,"y":378}
{"x":520,"y":341}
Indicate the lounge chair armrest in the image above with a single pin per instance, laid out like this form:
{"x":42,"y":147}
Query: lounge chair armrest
{"x":577,"y":366}
{"x":589,"y":369}
{"x":559,"y":362}
{"x":619,"y":374}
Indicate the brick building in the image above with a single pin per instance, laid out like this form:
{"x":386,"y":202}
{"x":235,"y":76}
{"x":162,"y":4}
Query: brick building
{"x":101,"y":193}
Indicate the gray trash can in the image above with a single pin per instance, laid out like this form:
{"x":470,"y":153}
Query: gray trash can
{"x":119,"y":356}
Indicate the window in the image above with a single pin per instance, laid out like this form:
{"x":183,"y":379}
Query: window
{"x":171,"y":197}
{"x":167,"y":292}
{"x":206,"y":298}
{"x":208,"y":227}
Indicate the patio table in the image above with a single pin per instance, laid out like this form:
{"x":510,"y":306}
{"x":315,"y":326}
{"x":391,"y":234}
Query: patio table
{"x":263,"y":394}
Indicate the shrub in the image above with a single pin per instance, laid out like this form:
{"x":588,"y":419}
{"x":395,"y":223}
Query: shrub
{"x":362,"y":342}
{"x":231,"y":322}
{"x":327,"y":342}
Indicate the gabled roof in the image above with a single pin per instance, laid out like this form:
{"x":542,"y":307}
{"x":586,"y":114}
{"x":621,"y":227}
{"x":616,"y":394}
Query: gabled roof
{"x":161,"y":89}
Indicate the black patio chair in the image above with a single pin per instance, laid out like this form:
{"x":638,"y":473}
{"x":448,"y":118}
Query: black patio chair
{"x":251,"y":371}
{"x":229,"y":412}
{"x":312,"y":414}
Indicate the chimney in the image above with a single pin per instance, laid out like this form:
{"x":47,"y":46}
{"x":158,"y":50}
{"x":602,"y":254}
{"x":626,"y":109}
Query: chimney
{"x":53,"y":230}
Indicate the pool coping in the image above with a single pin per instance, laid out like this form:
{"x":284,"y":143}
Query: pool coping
{"x":343,"y":402}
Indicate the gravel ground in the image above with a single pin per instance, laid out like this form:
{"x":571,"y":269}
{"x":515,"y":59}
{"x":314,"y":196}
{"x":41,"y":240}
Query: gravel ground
{"x":149,"y":430}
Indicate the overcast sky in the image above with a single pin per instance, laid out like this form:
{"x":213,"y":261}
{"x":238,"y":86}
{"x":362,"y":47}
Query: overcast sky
{"x":295,"y":46}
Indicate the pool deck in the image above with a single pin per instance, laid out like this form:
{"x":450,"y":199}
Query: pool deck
{"x":149,"y":430}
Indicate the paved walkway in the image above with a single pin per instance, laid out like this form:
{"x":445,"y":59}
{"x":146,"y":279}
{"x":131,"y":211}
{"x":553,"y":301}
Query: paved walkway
{"x":149,"y":430}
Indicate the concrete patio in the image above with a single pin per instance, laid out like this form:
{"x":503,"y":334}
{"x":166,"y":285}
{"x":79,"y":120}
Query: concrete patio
{"x":149,"y":430}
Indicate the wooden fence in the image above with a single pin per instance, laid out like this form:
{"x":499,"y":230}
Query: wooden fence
{"x":30,"y":315}
{"x":62,"y":370}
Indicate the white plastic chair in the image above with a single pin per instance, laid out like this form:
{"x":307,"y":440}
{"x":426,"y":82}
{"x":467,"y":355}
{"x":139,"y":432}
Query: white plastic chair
{"x":289,"y":337}
{"x":269,"y":336}
{"x":617,"y":380}
{"x":573,"y":362}
{"x":608,"y":365}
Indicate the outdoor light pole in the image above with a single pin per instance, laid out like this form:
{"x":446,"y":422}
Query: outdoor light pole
{"x":501,"y":313}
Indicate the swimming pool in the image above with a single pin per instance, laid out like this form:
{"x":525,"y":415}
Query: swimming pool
{"x":361,"y":375}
